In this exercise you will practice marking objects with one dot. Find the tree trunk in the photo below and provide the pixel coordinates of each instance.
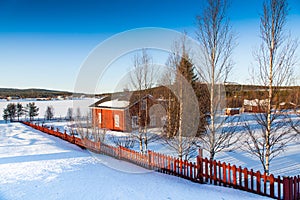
(180, 150)
(212, 109)
(141, 143)
(146, 127)
(169, 115)
(270, 98)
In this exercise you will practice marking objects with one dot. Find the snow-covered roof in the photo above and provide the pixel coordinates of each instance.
(285, 103)
(115, 103)
(255, 102)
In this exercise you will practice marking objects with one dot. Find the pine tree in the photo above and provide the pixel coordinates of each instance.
(20, 110)
(187, 70)
(32, 110)
(11, 111)
(5, 114)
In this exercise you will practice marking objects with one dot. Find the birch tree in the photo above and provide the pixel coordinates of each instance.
(142, 78)
(183, 110)
(217, 41)
(275, 60)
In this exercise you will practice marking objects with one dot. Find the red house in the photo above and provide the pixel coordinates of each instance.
(255, 105)
(120, 113)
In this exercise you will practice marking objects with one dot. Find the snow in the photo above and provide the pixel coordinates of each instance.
(34, 165)
(60, 106)
(114, 104)
(32, 162)
(255, 102)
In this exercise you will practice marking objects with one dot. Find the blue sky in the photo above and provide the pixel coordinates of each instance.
(43, 43)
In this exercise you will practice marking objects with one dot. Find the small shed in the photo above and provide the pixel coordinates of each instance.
(232, 111)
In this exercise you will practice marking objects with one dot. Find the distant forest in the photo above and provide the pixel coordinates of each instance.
(31, 93)
(235, 93)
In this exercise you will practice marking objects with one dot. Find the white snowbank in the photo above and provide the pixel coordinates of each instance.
(34, 165)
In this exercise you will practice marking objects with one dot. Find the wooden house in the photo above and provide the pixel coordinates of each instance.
(123, 112)
(255, 105)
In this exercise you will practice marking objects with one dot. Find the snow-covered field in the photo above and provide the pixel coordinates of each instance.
(60, 106)
(34, 165)
(287, 164)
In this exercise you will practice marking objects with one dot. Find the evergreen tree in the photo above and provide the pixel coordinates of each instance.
(5, 114)
(20, 110)
(11, 111)
(31, 110)
(187, 70)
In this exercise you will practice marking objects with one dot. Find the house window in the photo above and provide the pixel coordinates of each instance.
(152, 120)
(144, 104)
(134, 122)
(117, 121)
(99, 118)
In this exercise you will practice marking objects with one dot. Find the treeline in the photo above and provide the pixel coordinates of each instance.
(32, 93)
(235, 94)
(14, 112)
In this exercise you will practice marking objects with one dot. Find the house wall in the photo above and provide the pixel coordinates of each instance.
(134, 111)
(125, 116)
(112, 119)
(253, 109)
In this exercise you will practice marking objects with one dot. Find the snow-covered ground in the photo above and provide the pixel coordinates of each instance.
(60, 106)
(287, 164)
(34, 165)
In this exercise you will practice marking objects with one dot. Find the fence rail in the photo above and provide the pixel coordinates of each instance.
(203, 171)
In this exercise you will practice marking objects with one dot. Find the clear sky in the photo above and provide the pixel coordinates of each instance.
(43, 43)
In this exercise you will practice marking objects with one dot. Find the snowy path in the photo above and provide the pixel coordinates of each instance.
(34, 165)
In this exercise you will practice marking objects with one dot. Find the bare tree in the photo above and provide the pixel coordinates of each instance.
(125, 141)
(99, 135)
(217, 42)
(182, 109)
(275, 59)
(49, 114)
(69, 114)
(295, 121)
(142, 79)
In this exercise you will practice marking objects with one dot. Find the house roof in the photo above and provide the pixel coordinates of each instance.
(118, 101)
(255, 102)
(115, 103)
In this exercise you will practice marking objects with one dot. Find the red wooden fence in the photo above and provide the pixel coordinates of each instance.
(203, 171)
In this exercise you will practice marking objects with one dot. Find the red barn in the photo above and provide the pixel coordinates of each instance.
(118, 113)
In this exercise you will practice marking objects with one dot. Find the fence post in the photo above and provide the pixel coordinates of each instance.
(65, 135)
(119, 152)
(199, 165)
(265, 183)
(295, 187)
(286, 189)
(149, 159)
(258, 182)
(224, 174)
(272, 186)
(215, 172)
(234, 176)
(246, 179)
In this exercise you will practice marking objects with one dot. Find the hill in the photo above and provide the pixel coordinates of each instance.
(32, 93)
